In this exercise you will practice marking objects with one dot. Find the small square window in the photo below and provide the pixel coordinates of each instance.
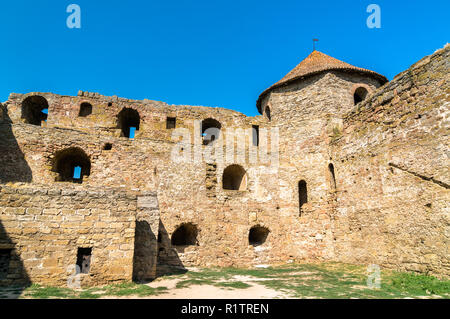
(171, 123)
(84, 260)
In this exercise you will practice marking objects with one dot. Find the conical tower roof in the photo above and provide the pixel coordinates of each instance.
(315, 63)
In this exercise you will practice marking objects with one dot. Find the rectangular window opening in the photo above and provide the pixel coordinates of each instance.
(171, 123)
(77, 172)
(255, 130)
(132, 132)
(84, 260)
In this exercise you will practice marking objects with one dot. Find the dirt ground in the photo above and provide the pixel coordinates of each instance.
(256, 291)
(326, 280)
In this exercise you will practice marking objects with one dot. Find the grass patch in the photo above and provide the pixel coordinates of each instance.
(119, 290)
(233, 284)
(37, 291)
(132, 289)
(326, 280)
(191, 282)
(420, 284)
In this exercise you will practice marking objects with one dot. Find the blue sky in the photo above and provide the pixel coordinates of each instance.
(211, 53)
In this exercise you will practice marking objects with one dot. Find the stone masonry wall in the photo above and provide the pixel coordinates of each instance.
(391, 167)
(187, 192)
(392, 172)
(45, 226)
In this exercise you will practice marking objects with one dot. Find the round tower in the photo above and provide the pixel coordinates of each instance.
(319, 85)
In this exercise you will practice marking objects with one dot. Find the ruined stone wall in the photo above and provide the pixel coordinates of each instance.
(392, 172)
(189, 192)
(64, 112)
(362, 220)
(44, 226)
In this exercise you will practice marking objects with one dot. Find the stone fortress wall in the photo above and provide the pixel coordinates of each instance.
(364, 184)
(392, 162)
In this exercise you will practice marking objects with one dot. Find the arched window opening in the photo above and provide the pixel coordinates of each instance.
(85, 109)
(332, 176)
(267, 112)
(35, 110)
(258, 235)
(234, 178)
(360, 95)
(128, 121)
(302, 194)
(210, 130)
(185, 235)
(72, 165)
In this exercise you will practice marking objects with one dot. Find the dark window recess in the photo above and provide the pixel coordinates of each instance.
(255, 134)
(234, 178)
(185, 235)
(268, 115)
(70, 161)
(332, 176)
(302, 194)
(171, 123)
(5, 257)
(85, 109)
(128, 121)
(107, 147)
(84, 260)
(210, 130)
(258, 235)
(360, 95)
(35, 110)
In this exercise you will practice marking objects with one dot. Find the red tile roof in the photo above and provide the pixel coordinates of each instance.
(318, 62)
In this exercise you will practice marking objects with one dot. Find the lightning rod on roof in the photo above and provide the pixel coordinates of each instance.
(314, 44)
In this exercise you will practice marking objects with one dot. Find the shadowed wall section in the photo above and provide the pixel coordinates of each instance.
(48, 226)
(13, 167)
(392, 169)
(12, 270)
(145, 244)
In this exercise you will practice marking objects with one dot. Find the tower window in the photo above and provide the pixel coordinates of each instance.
(360, 95)
(255, 135)
(171, 123)
(267, 112)
(107, 147)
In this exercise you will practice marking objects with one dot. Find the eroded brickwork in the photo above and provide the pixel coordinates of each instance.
(374, 179)
(393, 173)
(45, 226)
